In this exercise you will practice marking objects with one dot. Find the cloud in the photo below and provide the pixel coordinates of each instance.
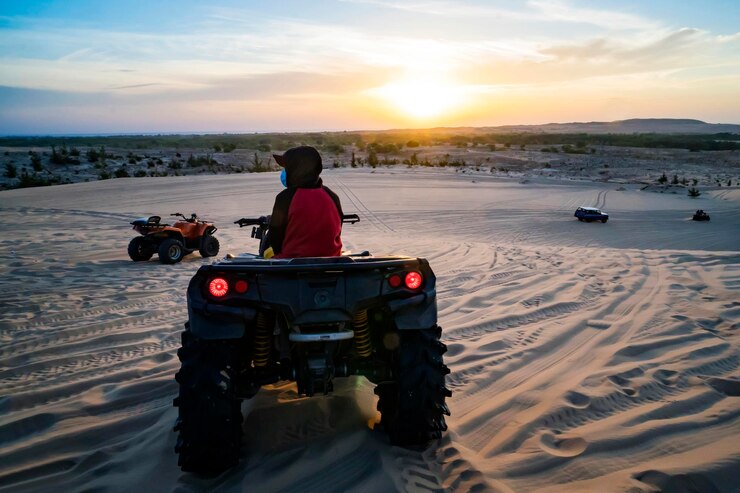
(136, 86)
(559, 11)
(680, 46)
(551, 11)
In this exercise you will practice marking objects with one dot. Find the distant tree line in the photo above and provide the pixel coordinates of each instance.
(382, 142)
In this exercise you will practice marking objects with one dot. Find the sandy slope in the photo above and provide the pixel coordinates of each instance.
(592, 357)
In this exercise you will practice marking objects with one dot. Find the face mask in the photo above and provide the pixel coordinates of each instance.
(284, 178)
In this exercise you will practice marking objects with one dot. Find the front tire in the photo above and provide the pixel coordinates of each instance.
(413, 406)
(210, 418)
(604, 220)
(209, 246)
(171, 251)
(139, 249)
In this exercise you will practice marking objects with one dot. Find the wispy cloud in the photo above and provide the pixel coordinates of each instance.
(534, 10)
(560, 11)
(136, 86)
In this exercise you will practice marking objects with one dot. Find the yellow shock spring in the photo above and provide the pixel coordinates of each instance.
(262, 340)
(363, 345)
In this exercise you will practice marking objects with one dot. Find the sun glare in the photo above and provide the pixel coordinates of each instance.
(421, 98)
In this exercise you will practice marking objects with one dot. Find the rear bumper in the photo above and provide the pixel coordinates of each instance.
(215, 321)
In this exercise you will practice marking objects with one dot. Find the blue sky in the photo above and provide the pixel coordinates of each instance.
(186, 66)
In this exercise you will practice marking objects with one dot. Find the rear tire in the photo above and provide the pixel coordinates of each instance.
(413, 406)
(210, 418)
(209, 246)
(171, 251)
(140, 249)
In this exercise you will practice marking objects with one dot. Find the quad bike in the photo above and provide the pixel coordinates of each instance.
(700, 215)
(172, 243)
(256, 321)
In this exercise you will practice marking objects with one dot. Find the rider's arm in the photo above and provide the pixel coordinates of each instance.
(335, 199)
(279, 218)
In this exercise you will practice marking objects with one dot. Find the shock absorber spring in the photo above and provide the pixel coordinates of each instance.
(363, 345)
(262, 339)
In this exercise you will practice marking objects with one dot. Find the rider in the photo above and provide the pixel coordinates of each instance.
(307, 217)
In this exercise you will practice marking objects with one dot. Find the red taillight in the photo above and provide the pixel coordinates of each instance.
(218, 287)
(394, 281)
(241, 286)
(413, 280)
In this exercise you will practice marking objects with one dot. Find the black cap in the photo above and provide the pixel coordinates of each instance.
(302, 165)
(299, 156)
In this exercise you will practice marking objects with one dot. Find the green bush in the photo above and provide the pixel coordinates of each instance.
(36, 161)
(10, 170)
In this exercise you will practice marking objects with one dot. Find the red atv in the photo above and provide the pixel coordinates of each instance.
(172, 242)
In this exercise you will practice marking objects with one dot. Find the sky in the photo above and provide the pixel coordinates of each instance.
(99, 67)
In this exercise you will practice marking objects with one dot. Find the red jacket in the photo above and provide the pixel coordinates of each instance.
(306, 222)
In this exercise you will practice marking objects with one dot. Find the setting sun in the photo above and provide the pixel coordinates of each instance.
(421, 97)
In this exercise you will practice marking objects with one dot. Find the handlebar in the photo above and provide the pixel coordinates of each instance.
(264, 221)
(350, 219)
(192, 219)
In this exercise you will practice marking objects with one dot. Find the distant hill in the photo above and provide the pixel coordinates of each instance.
(633, 125)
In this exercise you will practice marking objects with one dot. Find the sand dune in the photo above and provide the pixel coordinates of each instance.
(584, 357)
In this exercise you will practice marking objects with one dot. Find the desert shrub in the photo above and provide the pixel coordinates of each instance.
(140, 173)
(216, 148)
(258, 164)
(104, 175)
(569, 149)
(334, 148)
(92, 155)
(412, 143)
(264, 147)
(10, 170)
(121, 173)
(663, 178)
(36, 161)
(74, 152)
(674, 181)
(58, 157)
(195, 161)
(693, 192)
(372, 158)
(34, 180)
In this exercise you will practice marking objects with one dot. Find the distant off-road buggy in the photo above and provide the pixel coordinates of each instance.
(256, 321)
(172, 243)
(700, 215)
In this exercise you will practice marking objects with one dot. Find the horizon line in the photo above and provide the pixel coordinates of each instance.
(264, 132)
